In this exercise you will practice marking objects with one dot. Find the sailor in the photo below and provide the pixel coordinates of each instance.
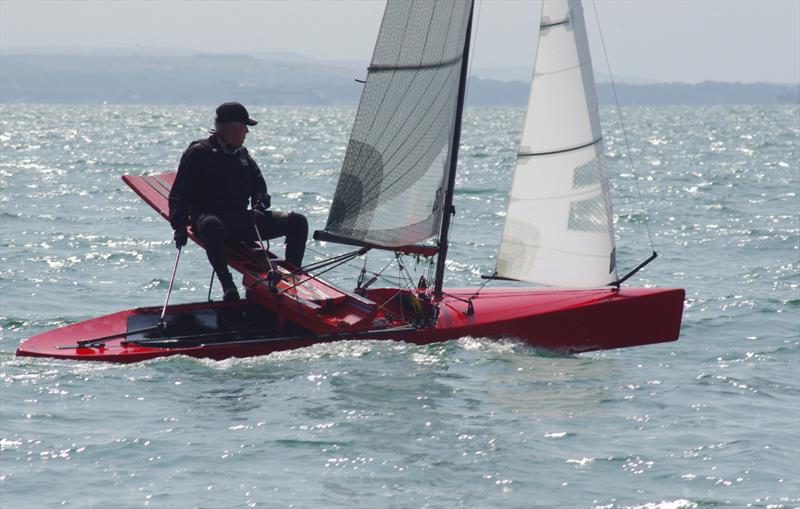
(216, 180)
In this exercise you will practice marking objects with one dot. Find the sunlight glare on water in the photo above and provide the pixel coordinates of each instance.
(708, 421)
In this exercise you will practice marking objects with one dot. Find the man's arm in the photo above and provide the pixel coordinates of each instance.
(259, 197)
(181, 193)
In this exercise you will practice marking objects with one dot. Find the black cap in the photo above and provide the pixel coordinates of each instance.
(233, 112)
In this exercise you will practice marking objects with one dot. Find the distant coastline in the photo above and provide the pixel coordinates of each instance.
(284, 80)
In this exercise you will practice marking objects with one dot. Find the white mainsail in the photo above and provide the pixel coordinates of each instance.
(559, 228)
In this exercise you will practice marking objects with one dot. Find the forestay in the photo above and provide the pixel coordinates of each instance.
(392, 184)
(559, 227)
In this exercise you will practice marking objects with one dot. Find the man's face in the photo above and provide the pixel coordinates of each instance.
(234, 133)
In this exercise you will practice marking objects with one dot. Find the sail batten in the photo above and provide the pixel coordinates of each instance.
(559, 226)
(421, 66)
(549, 24)
(560, 150)
(557, 71)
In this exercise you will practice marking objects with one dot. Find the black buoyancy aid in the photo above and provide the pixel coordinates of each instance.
(221, 182)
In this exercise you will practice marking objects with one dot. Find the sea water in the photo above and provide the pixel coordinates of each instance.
(710, 420)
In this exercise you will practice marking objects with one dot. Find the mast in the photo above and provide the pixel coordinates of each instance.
(448, 209)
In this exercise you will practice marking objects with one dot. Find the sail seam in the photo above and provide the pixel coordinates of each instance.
(594, 190)
(415, 67)
(552, 24)
(557, 71)
(560, 151)
(565, 251)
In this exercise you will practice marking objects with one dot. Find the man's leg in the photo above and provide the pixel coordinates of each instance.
(291, 225)
(211, 230)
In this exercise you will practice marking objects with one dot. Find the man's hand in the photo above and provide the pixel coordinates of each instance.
(262, 203)
(180, 237)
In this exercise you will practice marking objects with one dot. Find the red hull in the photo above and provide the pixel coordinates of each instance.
(556, 319)
(301, 310)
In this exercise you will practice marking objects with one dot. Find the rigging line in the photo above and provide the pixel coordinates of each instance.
(481, 287)
(624, 131)
(362, 276)
(472, 49)
(379, 275)
(456, 297)
(314, 276)
(322, 263)
(469, 299)
(400, 287)
(380, 272)
(404, 281)
(410, 283)
(348, 264)
(383, 305)
(211, 284)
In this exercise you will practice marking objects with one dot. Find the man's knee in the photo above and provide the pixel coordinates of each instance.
(298, 224)
(210, 228)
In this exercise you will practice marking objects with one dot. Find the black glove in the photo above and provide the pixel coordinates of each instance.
(262, 203)
(180, 237)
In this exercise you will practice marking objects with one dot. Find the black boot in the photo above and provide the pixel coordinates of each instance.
(229, 292)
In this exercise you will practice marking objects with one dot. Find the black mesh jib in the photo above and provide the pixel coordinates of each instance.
(392, 181)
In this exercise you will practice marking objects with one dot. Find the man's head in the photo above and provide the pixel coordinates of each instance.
(231, 123)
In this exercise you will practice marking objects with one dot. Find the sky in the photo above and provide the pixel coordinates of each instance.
(646, 40)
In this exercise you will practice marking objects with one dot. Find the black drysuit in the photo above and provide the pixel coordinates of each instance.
(211, 192)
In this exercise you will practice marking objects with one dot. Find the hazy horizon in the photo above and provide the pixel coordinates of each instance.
(499, 73)
(649, 41)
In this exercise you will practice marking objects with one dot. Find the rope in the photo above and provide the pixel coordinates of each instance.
(379, 274)
(485, 282)
(376, 276)
(624, 131)
(211, 283)
(409, 282)
(316, 276)
(323, 263)
(472, 49)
